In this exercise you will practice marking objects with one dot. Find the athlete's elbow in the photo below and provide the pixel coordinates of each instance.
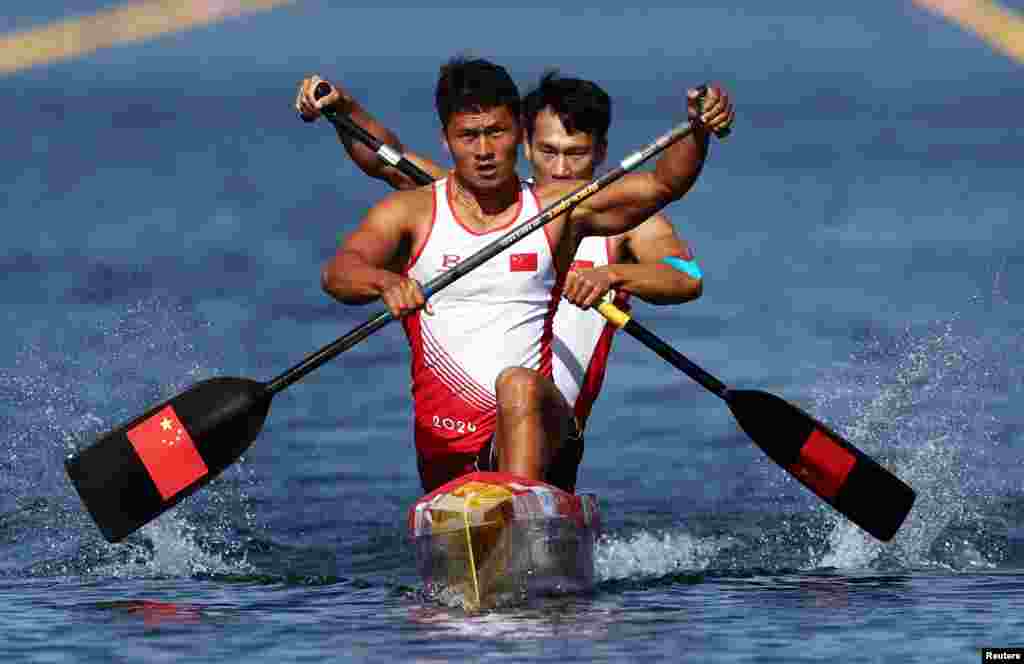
(693, 289)
(689, 291)
(329, 283)
(682, 187)
(696, 290)
(335, 285)
(664, 192)
(670, 188)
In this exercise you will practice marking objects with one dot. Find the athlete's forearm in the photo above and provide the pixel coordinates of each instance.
(680, 165)
(364, 157)
(655, 283)
(369, 161)
(637, 196)
(350, 279)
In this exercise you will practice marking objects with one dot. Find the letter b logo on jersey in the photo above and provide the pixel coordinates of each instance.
(449, 260)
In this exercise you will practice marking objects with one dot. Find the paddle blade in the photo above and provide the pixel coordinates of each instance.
(134, 473)
(827, 464)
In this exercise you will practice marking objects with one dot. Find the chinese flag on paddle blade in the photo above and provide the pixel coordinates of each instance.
(167, 452)
(523, 262)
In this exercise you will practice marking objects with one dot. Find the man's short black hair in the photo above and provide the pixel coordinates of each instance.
(474, 84)
(580, 105)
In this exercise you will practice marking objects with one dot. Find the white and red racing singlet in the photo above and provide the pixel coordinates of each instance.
(583, 338)
(496, 316)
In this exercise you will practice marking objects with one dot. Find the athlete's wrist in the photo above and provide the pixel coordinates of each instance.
(615, 277)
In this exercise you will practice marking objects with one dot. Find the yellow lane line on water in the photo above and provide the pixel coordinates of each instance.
(123, 24)
(1000, 27)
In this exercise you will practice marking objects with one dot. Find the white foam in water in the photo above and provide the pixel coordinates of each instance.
(174, 553)
(928, 423)
(642, 555)
(646, 554)
(587, 622)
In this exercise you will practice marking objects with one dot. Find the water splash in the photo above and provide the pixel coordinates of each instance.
(170, 547)
(59, 397)
(550, 617)
(649, 555)
(931, 421)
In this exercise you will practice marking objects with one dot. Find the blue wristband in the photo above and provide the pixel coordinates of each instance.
(689, 267)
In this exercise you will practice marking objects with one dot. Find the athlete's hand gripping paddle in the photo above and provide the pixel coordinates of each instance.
(134, 473)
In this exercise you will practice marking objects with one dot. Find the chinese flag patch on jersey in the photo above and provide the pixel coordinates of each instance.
(167, 452)
(523, 262)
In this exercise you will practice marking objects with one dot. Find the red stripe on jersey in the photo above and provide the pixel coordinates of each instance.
(549, 325)
(459, 380)
(436, 399)
(594, 377)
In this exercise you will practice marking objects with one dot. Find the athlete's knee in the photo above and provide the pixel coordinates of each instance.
(518, 388)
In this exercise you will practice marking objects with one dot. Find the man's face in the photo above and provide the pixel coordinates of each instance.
(484, 145)
(555, 154)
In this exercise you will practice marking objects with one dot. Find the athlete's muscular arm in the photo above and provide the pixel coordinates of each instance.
(365, 158)
(640, 268)
(368, 263)
(637, 196)
(647, 274)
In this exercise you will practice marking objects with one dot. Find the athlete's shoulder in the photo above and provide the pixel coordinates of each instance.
(408, 201)
(406, 211)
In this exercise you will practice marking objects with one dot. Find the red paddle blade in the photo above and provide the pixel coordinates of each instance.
(827, 464)
(134, 473)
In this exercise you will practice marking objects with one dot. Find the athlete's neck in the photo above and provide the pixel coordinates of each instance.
(486, 204)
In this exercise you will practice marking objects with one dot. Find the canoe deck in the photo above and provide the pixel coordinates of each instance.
(496, 538)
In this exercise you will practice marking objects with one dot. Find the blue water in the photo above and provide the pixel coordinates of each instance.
(166, 216)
